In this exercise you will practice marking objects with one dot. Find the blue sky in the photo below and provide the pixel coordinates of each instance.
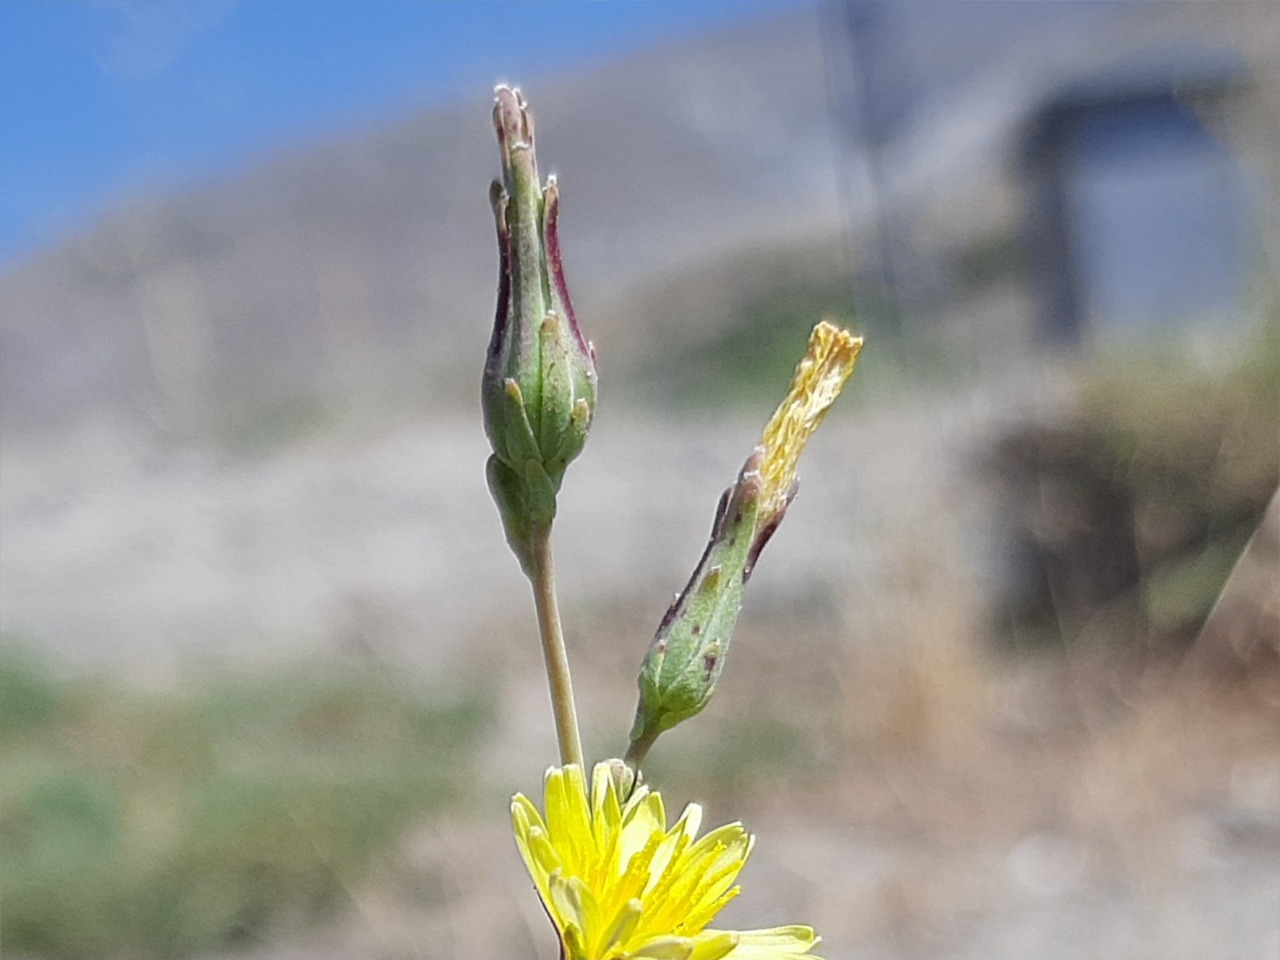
(103, 100)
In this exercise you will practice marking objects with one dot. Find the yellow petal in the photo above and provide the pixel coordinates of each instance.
(620, 928)
(605, 809)
(778, 943)
(713, 946)
(568, 818)
(664, 948)
(639, 823)
(573, 903)
(540, 857)
(680, 837)
(618, 885)
(728, 842)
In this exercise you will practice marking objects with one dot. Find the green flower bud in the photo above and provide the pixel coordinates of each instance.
(682, 668)
(680, 672)
(538, 391)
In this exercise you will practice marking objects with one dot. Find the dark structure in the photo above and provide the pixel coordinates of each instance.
(1134, 216)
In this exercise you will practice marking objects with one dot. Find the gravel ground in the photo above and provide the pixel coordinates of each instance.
(122, 556)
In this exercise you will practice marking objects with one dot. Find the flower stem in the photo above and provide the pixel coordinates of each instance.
(639, 749)
(553, 649)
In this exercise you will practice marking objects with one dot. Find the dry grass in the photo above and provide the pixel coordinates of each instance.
(923, 799)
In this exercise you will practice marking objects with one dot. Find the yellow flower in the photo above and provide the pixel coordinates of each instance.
(818, 380)
(619, 885)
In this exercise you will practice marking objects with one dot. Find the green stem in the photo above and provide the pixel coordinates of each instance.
(553, 649)
(638, 750)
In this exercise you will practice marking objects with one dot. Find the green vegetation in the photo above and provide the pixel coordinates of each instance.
(254, 429)
(758, 352)
(159, 825)
(749, 359)
(730, 756)
(1131, 514)
(988, 261)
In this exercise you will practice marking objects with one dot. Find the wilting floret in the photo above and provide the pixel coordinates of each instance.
(818, 380)
(683, 665)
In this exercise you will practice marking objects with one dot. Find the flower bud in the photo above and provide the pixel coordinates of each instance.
(538, 391)
(625, 780)
(682, 668)
(680, 672)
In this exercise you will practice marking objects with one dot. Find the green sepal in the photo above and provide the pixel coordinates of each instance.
(513, 438)
(568, 396)
(526, 502)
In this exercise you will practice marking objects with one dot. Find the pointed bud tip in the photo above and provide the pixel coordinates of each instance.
(511, 118)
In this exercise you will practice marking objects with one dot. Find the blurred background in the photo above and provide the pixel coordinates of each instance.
(1006, 681)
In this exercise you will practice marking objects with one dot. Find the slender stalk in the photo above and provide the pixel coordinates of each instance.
(638, 750)
(553, 649)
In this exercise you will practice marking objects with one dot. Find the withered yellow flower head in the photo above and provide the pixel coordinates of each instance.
(619, 885)
(818, 380)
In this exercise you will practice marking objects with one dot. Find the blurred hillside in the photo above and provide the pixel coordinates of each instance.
(366, 268)
(269, 675)
(702, 181)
